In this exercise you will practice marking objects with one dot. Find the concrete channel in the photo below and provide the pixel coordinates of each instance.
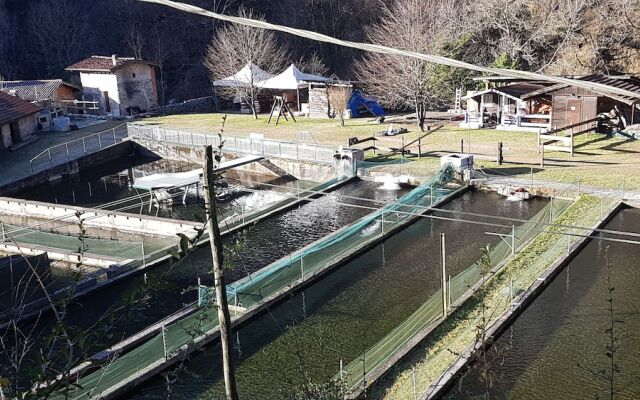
(518, 307)
(107, 222)
(154, 368)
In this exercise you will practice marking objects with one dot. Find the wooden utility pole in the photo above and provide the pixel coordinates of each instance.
(224, 319)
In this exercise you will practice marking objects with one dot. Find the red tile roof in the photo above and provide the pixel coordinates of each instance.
(13, 108)
(104, 64)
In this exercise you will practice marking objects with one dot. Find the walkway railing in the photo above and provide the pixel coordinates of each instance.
(73, 149)
(236, 144)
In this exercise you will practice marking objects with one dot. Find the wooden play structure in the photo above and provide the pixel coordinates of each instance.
(391, 145)
(562, 139)
(281, 106)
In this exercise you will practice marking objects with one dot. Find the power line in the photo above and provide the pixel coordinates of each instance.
(443, 210)
(375, 48)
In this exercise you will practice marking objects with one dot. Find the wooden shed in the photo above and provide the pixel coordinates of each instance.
(571, 104)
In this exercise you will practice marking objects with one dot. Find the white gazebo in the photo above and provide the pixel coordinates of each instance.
(292, 79)
(248, 75)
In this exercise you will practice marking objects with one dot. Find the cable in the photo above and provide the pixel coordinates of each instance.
(375, 48)
(510, 219)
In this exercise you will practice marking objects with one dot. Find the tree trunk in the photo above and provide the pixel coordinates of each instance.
(421, 116)
(219, 281)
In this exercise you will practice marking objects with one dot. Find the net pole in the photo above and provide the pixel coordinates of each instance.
(413, 381)
(449, 290)
(341, 371)
(444, 275)
(144, 262)
(164, 341)
(513, 240)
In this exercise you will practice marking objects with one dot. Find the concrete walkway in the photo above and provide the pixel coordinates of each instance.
(14, 165)
(497, 180)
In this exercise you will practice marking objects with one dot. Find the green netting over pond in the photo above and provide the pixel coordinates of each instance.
(430, 311)
(113, 249)
(277, 276)
(235, 218)
(255, 288)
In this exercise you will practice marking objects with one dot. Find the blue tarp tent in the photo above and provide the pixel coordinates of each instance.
(360, 105)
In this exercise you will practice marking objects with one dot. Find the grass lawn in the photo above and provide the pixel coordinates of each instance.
(598, 160)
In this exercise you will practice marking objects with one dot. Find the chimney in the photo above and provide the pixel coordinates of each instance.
(114, 59)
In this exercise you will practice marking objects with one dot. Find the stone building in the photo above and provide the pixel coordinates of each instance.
(17, 121)
(120, 85)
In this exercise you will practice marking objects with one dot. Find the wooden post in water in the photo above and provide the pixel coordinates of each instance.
(444, 276)
(231, 392)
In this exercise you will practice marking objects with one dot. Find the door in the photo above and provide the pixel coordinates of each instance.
(107, 102)
(15, 133)
(574, 112)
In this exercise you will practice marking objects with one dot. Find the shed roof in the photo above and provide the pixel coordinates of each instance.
(12, 108)
(36, 90)
(626, 82)
(105, 64)
(515, 91)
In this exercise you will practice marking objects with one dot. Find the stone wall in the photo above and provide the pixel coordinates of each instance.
(200, 105)
(136, 87)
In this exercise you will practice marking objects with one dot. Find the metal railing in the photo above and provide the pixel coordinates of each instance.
(236, 144)
(73, 149)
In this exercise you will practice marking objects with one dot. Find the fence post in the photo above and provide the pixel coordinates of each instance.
(341, 371)
(66, 145)
(4, 234)
(513, 240)
(500, 158)
(413, 380)
(99, 141)
(144, 262)
(114, 135)
(164, 341)
(444, 275)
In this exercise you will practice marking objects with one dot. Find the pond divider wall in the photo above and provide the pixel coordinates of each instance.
(524, 300)
(116, 273)
(177, 340)
(363, 371)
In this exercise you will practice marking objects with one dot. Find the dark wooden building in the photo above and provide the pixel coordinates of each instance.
(571, 105)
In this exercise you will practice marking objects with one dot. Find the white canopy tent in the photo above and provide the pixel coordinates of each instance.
(249, 74)
(291, 79)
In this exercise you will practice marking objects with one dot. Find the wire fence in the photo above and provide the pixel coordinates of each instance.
(258, 287)
(73, 149)
(235, 144)
(538, 246)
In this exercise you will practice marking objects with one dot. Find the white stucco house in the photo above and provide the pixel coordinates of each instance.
(120, 85)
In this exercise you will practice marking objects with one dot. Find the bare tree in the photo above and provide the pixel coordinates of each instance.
(134, 36)
(339, 96)
(59, 29)
(236, 46)
(403, 82)
(313, 65)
